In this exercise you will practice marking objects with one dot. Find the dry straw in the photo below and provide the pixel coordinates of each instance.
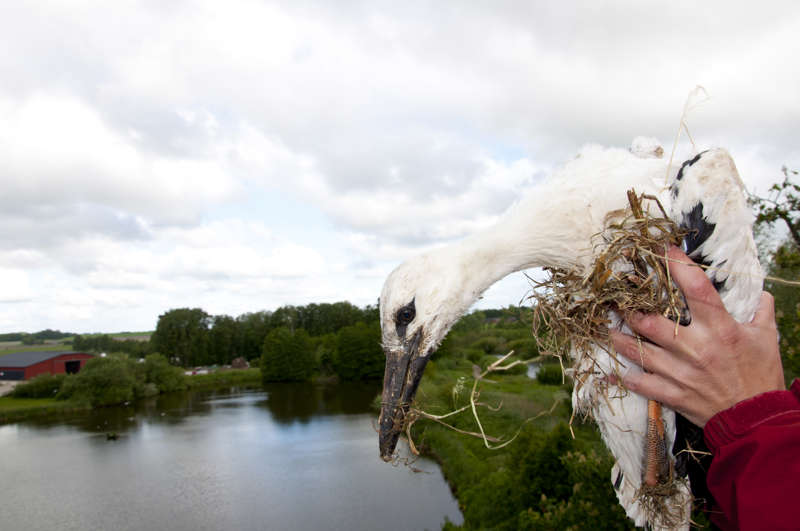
(572, 314)
(571, 311)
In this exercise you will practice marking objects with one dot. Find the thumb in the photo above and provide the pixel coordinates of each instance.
(765, 313)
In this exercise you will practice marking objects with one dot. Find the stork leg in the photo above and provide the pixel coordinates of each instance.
(656, 466)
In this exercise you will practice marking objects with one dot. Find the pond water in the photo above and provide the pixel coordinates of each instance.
(289, 456)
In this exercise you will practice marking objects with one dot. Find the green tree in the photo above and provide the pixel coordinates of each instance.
(358, 352)
(287, 356)
(223, 340)
(182, 336)
(253, 328)
(324, 353)
(782, 205)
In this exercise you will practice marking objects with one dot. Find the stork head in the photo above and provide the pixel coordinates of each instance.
(420, 301)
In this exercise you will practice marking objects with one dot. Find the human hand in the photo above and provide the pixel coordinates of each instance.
(710, 365)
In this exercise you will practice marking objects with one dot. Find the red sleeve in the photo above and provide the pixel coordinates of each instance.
(755, 472)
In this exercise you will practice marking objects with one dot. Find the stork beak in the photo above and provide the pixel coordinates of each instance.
(403, 373)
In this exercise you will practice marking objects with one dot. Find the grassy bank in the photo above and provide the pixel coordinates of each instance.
(16, 409)
(545, 479)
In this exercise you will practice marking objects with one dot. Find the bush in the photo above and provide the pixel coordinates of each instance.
(473, 354)
(592, 500)
(358, 353)
(521, 368)
(42, 386)
(524, 348)
(164, 376)
(105, 381)
(287, 356)
(549, 374)
(488, 344)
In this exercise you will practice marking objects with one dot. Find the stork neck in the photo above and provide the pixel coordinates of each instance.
(522, 240)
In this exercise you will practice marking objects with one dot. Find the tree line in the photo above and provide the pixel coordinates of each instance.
(34, 338)
(290, 343)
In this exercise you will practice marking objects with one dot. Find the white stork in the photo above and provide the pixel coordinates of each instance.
(553, 226)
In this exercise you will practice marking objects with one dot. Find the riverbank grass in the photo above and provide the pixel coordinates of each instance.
(14, 409)
(544, 479)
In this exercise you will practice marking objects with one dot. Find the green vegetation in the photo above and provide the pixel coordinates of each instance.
(34, 338)
(191, 337)
(107, 343)
(358, 354)
(14, 409)
(106, 381)
(550, 374)
(109, 381)
(117, 379)
(16, 346)
(544, 479)
(782, 207)
(42, 386)
(142, 364)
(227, 378)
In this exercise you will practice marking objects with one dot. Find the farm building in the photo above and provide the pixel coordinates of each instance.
(26, 365)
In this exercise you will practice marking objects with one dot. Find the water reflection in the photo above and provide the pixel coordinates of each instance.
(300, 402)
(289, 456)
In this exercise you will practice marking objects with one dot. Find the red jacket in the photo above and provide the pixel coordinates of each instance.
(755, 472)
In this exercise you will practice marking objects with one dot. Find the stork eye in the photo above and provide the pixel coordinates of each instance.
(405, 315)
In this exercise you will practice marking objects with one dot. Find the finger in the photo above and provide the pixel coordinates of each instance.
(704, 302)
(653, 387)
(646, 355)
(765, 313)
(655, 328)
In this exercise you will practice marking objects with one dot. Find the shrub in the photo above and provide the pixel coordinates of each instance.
(164, 376)
(42, 386)
(488, 344)
(105, 381)
(521, 368)
(524, 348)
(473, 354)
(592, 500)
(549, 374)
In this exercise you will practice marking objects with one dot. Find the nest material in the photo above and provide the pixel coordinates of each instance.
(573, 310)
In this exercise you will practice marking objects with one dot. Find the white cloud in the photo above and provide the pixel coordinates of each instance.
(247, 154)
(14, 285)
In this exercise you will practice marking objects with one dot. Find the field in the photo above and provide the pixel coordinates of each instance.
(7, 347)
(65, 343)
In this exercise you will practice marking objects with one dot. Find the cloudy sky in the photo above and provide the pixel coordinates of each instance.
(242, 155)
